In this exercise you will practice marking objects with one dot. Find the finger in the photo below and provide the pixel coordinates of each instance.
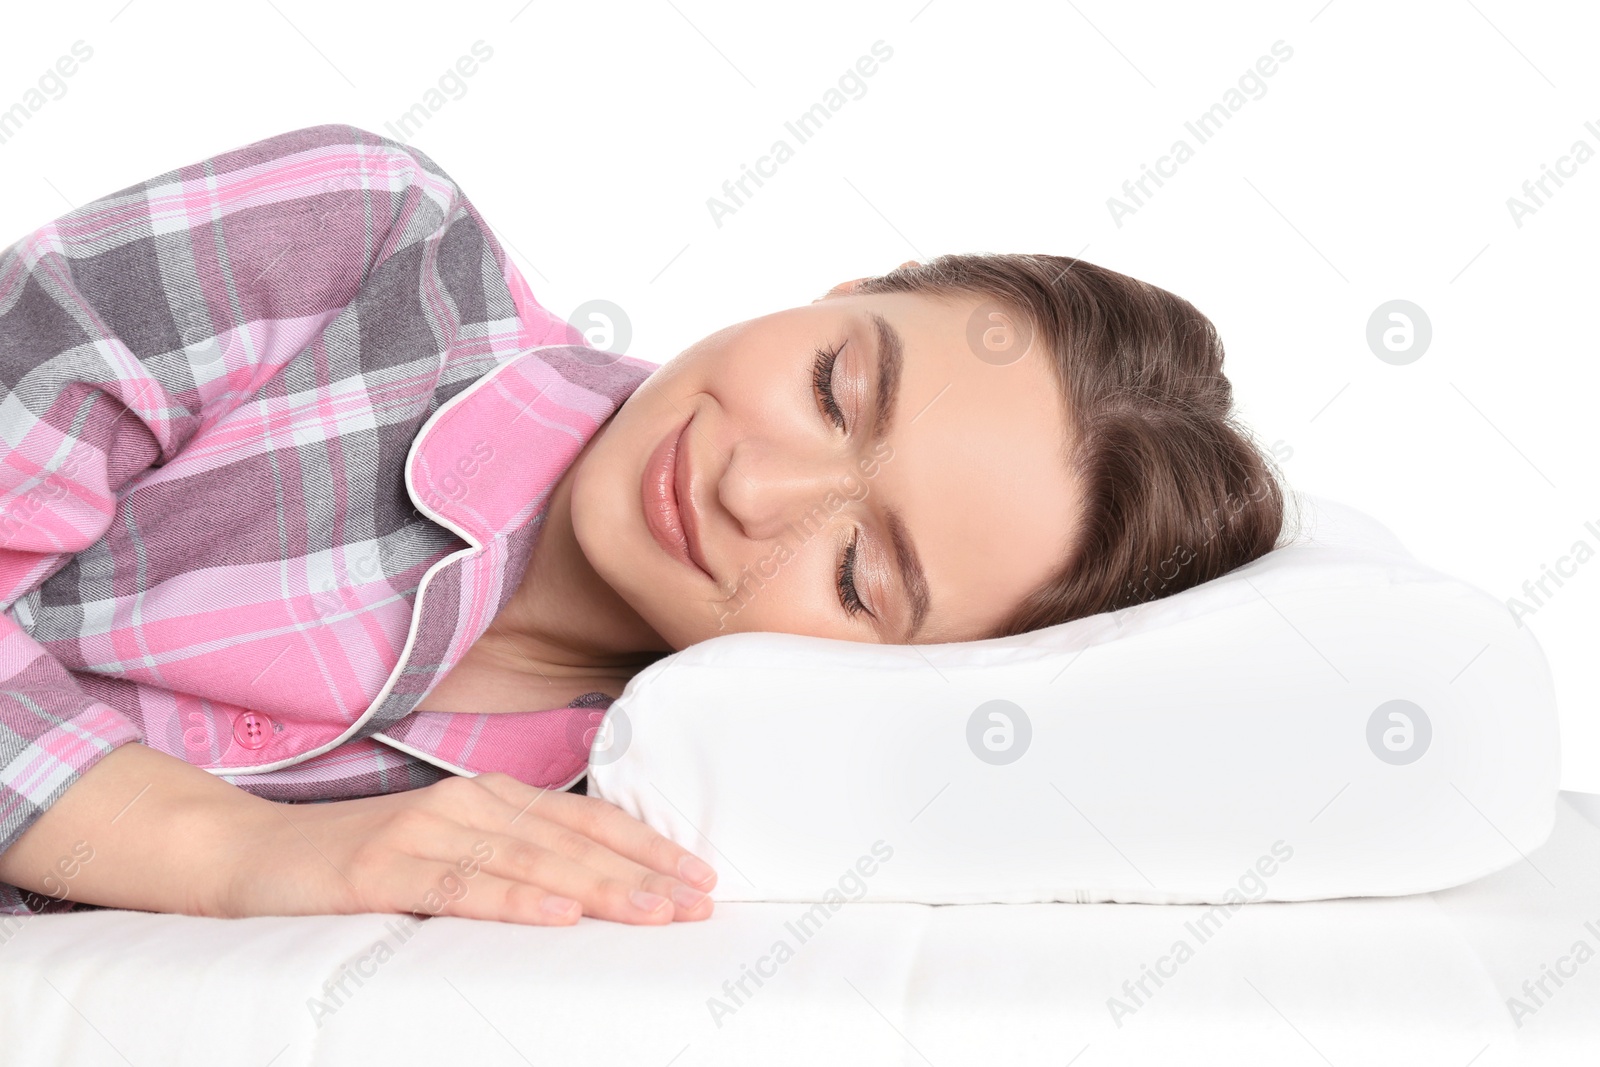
(688, 902)
(469, 801)
(602, 896)
(608, 824)
(468, 848)
(432, 888)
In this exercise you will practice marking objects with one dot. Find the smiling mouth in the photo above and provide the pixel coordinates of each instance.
(664, 487)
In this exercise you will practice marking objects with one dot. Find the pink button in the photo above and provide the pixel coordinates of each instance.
(252, 729)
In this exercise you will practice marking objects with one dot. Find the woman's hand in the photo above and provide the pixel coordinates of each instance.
(488, 847)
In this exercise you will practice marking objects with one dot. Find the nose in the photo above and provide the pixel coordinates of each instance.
(768, 488)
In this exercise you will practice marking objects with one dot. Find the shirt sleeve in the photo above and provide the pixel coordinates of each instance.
(129, 325)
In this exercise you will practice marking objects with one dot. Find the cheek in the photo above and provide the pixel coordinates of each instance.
(599, 500)
(762, 385)
(785, 588)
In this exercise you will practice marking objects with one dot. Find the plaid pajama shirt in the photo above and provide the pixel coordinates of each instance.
(279, 428)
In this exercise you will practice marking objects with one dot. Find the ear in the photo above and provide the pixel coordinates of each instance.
(845, 288)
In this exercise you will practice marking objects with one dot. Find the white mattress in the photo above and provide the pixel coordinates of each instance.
(1405, 980)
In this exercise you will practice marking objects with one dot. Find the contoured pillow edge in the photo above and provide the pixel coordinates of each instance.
(1150, 776)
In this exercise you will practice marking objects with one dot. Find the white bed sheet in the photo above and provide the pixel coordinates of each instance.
(1408, 981)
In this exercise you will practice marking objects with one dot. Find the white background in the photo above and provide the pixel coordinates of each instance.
(1376, 166)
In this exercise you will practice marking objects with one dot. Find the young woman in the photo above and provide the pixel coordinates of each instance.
(324, 547)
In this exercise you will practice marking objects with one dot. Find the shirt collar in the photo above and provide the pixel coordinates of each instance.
(484, 462)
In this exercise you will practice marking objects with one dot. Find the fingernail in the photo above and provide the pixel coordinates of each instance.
(695, 869)
(557, 905)
(686, 898)
(647, 901)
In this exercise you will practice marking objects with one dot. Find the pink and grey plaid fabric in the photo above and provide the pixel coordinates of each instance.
(279, 429)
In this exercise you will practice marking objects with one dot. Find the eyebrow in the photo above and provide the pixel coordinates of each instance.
(891, 359)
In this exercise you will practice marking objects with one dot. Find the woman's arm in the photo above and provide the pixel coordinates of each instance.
(145, 830)
(140, 829)
(486, 847)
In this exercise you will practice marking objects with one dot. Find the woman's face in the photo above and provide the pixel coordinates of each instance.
(797, 517)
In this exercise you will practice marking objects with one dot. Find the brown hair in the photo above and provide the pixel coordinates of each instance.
(1175, 491)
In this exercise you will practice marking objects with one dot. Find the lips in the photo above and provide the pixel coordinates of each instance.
(664, 487)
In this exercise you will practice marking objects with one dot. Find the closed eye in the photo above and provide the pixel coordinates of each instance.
(822, 383)
(848, 596)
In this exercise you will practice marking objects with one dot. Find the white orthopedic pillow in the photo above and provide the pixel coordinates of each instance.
(1235, 741)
